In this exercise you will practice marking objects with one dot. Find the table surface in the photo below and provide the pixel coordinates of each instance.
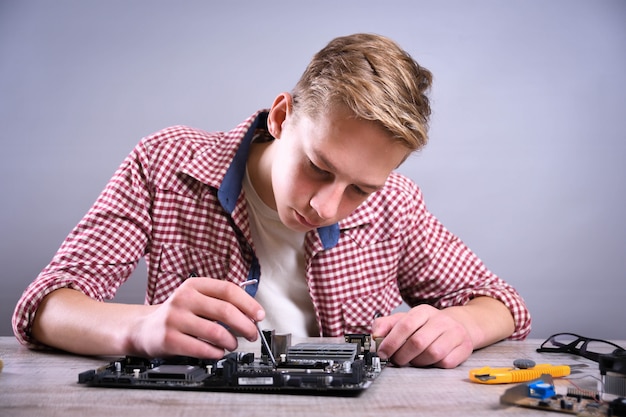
(35, 383)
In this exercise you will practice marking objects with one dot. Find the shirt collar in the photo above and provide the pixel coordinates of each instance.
(229, 189)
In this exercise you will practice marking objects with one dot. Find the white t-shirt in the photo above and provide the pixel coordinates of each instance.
(283, 291)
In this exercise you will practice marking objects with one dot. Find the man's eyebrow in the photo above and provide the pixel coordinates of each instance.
(331, 167)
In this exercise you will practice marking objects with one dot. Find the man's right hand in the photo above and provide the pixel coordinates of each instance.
(200, 319)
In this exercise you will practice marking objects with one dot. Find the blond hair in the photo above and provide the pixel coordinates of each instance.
(375, 79)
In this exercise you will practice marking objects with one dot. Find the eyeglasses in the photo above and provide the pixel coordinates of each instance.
(578, 345)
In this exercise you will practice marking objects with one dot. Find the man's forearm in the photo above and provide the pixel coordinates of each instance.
(69, 320)
(486, 319)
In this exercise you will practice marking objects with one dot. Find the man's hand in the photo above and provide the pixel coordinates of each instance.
(200, 319)
(423, 336)
(426, 336)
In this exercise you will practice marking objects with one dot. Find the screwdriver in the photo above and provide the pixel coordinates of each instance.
(263, 339)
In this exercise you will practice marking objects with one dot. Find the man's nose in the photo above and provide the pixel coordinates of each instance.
(327, 200)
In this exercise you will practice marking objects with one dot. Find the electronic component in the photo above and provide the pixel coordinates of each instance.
(613, 373)
(617, 407)
(307, 368)
(540, 389)
(541, 394)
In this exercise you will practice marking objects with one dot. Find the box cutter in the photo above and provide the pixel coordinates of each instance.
(524, 370)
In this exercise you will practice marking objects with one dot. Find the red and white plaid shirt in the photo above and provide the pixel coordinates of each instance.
(177, 201)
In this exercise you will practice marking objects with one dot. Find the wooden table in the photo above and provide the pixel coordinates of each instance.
(37, 383)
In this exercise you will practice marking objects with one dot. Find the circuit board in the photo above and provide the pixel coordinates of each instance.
(541, 395)
(342, 369)
(567, 404)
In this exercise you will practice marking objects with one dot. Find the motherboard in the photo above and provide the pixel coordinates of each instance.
(343, 368)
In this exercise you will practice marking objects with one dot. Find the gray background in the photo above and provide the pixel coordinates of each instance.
(526, 162)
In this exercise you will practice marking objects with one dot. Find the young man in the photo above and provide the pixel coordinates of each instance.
(301, 198)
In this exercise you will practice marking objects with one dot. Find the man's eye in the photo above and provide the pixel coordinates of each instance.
(360, 191)
(317, 169)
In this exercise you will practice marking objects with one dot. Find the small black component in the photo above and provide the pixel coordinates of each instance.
(580, 394)
(566, 405)
(617, 407)
(85, 377)
(247, 358)
(614, 362)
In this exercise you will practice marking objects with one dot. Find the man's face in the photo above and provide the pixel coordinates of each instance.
(323, 168)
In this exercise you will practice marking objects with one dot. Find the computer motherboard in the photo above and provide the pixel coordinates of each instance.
(339, 369)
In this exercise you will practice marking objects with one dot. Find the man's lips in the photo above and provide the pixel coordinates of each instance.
(305, 222)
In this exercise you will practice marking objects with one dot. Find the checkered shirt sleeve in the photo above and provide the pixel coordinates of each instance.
(404, 253)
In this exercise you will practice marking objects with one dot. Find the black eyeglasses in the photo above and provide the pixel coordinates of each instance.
(578, 345)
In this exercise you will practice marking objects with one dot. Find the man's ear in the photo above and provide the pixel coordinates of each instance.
(279, 112)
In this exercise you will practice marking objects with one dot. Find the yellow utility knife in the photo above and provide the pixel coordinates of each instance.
(528, 372)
